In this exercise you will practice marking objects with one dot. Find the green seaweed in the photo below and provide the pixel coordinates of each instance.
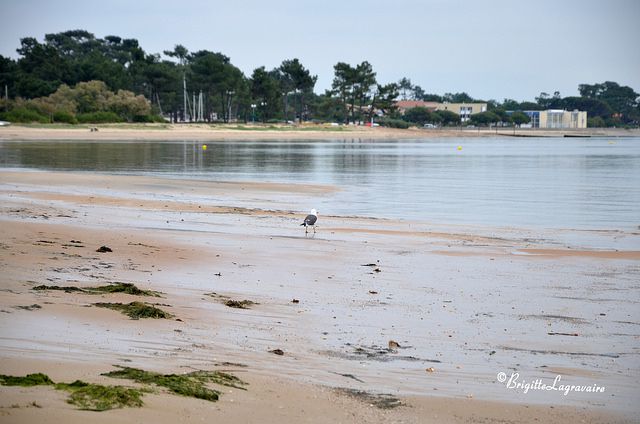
(190, 385)
(93, 397)
(67, 289)
(136, 310)
(96, 397)
(239, 304)
(33, 307)
(128, 288)
(381, 401)
(37, 379)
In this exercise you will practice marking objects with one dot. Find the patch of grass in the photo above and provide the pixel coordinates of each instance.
(281, 128)
(37, 379)
(191, 384)
(96, 397)
(243, 128)
(47, 125)
(136, 310)
(137, 126)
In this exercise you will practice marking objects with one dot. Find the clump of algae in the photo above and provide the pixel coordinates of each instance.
(136, 310)
(382, 401)
(37, 379)
(128, 288)
(96, 397)
(92, 397)
(191, 384)
(239, 304)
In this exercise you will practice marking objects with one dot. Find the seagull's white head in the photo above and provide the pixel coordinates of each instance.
(314, 212)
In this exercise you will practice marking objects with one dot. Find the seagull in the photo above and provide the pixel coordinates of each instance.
(310, 220)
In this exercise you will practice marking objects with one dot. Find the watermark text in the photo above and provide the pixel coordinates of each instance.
(515, 382)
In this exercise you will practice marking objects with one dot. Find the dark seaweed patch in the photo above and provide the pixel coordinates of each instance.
(127, 288)
(136, 310)
(382, 401)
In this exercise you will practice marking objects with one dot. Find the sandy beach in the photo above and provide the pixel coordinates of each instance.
(366, 321)
(206, 132)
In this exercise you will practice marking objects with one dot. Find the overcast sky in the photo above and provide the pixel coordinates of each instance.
(492, 49)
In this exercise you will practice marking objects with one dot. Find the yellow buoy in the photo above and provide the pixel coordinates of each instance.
(459, 147)
(204, 147)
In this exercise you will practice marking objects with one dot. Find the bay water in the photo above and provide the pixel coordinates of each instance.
(577, 183)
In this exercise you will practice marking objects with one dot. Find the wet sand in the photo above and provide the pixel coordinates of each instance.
(464, 303)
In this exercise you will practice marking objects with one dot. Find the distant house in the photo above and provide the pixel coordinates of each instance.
(404, 105)
(465, 110)
(556, 118)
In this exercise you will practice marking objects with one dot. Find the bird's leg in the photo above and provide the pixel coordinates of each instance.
(314, 229)
(306, 229)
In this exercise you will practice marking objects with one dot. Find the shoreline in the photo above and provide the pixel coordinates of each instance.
(434, 295)
(204, 132)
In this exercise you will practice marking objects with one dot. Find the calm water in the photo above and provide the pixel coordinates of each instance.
(591, 183)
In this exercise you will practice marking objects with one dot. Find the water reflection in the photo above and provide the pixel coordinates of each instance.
(579, 183)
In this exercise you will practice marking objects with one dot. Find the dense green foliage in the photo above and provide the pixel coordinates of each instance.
(23, 114)
(485, 118)
(86, 102)
(73, 76)
(418, 115)
(98, 117)
(519, 118)
(393, 123)
(359, 95)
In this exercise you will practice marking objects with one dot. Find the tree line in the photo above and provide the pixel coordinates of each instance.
(607, 104)
(73, 76)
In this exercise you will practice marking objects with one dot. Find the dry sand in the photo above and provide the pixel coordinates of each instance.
(205, 132)
(468, 303)
(202, 132)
